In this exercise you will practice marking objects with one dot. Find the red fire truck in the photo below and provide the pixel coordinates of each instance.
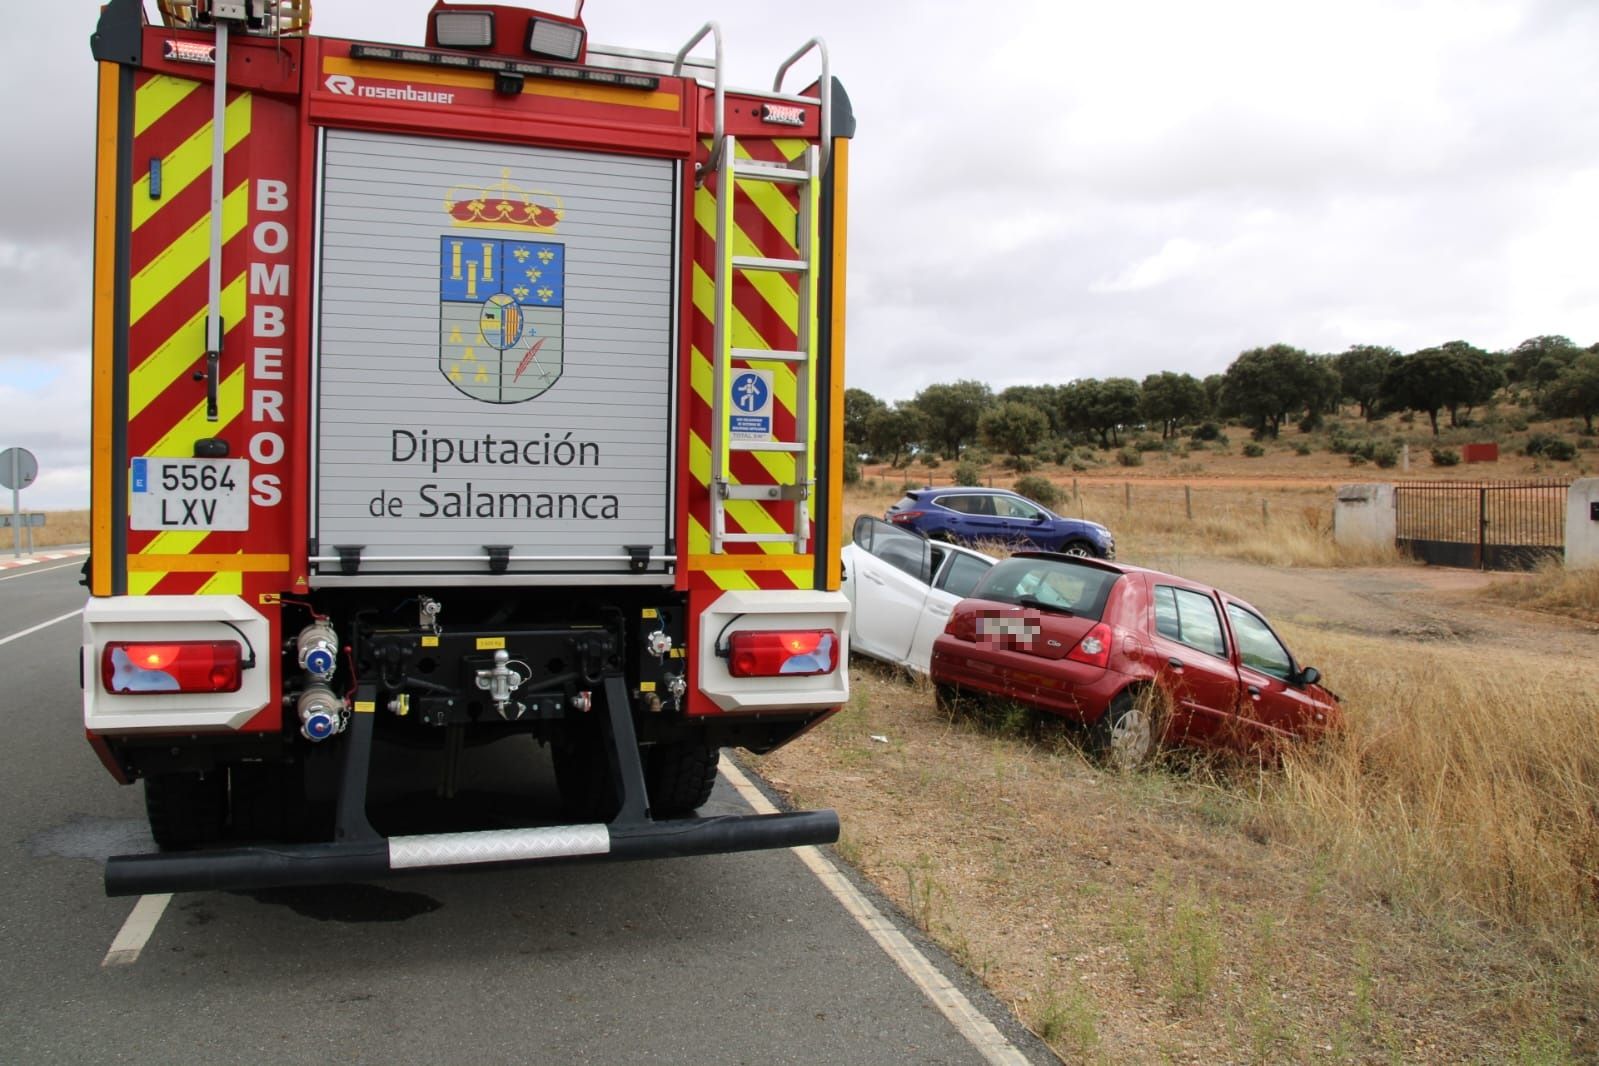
(483, 391)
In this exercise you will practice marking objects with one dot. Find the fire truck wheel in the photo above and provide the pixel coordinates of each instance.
(186, 810)
(583, 777)
(680, 776)
(268, 801)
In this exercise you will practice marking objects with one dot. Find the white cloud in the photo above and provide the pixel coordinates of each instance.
(1041, 190)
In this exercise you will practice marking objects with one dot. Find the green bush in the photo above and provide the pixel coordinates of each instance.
(968, 473)
(1385, 455)
(1037, 487)
(1356, 459)
(1302, 448)
(1149, 445)
(1129, 457)
(1550, 447)
(977, 455)
(1022, 464)
(1206, 431)
(930, 460)
(1445, 457)
(1253, 450)
(852, 466)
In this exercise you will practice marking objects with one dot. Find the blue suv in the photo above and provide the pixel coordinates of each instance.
(972, 515)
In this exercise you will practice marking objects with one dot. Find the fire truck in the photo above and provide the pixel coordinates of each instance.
(488, 391)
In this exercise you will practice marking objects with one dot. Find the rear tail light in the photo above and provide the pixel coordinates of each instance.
(905, 518)
(171, 666)
(1094, 648)
(789, 652)
(962, 626)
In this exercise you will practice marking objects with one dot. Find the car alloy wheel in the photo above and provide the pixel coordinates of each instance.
(1077, 548)
(1130, 738)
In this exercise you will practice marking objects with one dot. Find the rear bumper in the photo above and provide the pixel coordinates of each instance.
(1075, 690)
(272, 866)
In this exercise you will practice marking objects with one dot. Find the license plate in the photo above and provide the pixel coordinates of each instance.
(198, 494)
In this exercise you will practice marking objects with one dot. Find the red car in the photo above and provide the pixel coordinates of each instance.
(1086, 638)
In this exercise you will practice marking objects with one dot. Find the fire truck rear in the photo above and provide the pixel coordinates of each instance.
(483, 391)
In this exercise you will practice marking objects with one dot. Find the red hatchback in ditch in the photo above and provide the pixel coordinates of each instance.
(1094, 641)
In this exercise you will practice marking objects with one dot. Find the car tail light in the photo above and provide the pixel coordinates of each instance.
(905, 518)
(171, 666)
(790, 652)
(962, 626)
(1094, 648)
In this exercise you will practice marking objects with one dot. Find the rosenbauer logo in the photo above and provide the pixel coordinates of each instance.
(344, 85)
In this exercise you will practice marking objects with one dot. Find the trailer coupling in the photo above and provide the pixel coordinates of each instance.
(358, 853)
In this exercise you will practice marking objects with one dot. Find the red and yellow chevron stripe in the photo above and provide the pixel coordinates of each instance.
(765, 314)
(167, 300)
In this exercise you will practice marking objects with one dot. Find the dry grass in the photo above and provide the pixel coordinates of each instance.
(1462, 784)
(1420, 892)
(1552, 588)
(61, 527)
(1275, 525)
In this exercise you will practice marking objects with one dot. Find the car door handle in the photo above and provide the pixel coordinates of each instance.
(1175, 663)
(1254, 692)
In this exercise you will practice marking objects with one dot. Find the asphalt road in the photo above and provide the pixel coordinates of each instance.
(724, 959)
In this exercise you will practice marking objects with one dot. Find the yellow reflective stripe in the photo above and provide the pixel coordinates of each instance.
(791, 564)
(223, 585)
(177, 354)
(156, 97)
(185, 255)
(699, 459)
(701, 378)
(724, 579)
(142, 578)
(183, 563)
(189, 161)
(180, 439)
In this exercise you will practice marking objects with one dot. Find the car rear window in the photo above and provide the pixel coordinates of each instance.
(906, 503)
(1053, 584)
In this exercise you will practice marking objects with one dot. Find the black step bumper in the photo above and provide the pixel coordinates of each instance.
(272, 866)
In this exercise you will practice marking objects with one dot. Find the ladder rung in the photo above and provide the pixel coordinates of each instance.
(755, 262)
(766, 446)
(763, 492)
(757, 538)
(768, 355)
(773, 172)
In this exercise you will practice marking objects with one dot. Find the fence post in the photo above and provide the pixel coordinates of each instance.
(1127, 488)
(1265, 513)
(1188, 501)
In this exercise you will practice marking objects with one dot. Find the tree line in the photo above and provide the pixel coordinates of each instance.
(1263, 388)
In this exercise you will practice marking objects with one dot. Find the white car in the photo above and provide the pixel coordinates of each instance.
(902, 588)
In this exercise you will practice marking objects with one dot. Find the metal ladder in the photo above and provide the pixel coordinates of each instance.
(806, 176)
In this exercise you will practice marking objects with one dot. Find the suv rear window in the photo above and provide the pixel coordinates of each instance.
(906, 503)
(1053, 584)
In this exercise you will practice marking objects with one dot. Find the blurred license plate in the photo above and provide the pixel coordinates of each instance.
(194, 494)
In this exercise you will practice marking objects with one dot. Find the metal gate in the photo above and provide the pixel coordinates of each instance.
(1485, 525)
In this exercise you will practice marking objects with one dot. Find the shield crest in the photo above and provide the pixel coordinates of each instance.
(501, 316)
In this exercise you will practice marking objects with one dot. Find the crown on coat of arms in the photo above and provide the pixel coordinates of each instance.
(503, 205)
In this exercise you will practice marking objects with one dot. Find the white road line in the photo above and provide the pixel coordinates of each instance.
(41, 625)
(135, 932)
(967, 1019)
(44, 570)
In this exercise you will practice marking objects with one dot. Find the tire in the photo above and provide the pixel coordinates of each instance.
(583, 777)
(267, 802)
(680, 776)
(186, 811)
(1127, 735)
(1079, 548)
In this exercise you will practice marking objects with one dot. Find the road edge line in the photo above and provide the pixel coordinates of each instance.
(970, 1022)
(135, 932)
(42, 625)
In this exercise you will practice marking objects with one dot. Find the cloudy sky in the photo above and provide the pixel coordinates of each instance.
(1042, 190)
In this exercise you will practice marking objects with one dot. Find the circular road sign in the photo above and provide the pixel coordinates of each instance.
(21, 461)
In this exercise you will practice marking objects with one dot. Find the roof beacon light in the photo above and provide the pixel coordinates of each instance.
(558, 40)
(464, 29)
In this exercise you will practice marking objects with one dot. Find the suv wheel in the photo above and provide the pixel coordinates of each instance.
(1080, 548)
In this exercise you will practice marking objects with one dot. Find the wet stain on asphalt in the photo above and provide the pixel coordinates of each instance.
(351, 904)
(88, 837)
